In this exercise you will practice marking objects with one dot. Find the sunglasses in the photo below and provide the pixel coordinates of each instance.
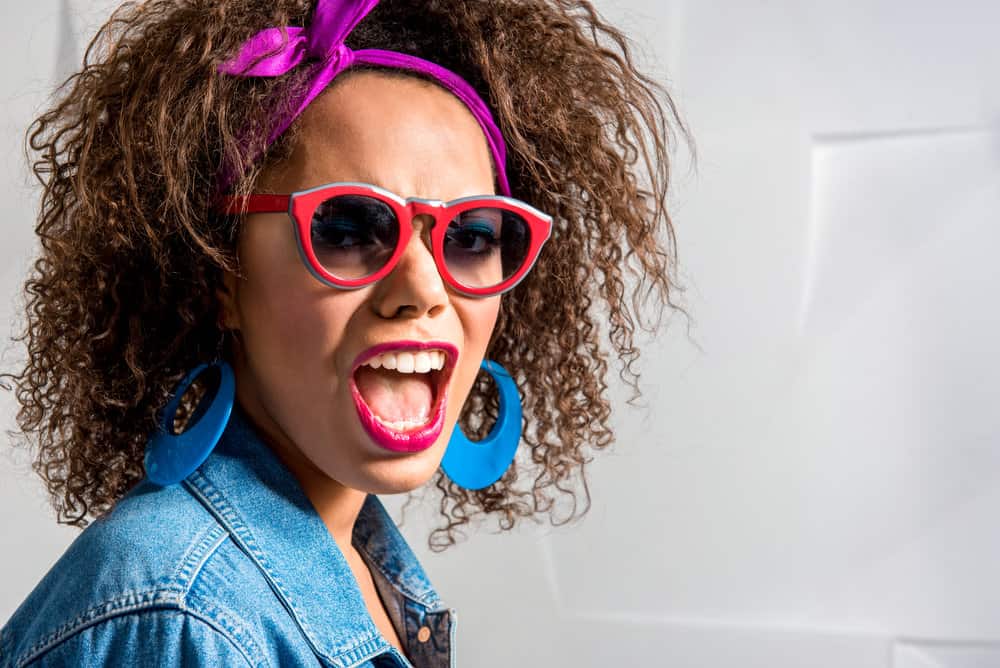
(352, 234)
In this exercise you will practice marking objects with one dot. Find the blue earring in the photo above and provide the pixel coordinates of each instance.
(475, 465)
(172, 457)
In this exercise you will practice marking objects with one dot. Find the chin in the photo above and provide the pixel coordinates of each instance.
(394, 474)
(395, 477)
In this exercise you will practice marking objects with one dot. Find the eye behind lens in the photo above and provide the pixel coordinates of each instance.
(353, 236)
(486, 246)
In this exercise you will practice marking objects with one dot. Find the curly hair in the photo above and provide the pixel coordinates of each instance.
(120, 303)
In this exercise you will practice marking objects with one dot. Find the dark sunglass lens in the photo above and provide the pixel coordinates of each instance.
(353, 236)
(485, 246)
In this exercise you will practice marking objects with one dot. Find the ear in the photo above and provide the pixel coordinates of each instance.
(226, 294)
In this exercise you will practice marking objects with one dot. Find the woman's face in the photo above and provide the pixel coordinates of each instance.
(300, 338)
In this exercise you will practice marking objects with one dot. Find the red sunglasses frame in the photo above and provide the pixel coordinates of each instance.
(301, 205)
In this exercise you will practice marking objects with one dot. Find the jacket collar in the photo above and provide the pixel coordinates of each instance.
(259, 501)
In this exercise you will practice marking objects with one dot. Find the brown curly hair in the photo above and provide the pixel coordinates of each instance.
(120, 303)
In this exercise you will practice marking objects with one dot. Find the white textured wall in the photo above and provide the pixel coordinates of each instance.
(40, 48)
(814, 482)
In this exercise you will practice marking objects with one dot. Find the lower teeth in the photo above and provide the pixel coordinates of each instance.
(403, 425)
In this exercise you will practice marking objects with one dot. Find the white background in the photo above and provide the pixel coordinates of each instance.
(813, 478)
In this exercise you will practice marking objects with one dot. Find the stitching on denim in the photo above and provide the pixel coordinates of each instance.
(130, 602)
(219, 628)
(428, 597)
(203, 490)
(209, 496)
(363, 652)
(453, 623)
(189, 566)
(226, 623)
(431, 600)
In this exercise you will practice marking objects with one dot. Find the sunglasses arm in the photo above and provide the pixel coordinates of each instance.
(235, 206)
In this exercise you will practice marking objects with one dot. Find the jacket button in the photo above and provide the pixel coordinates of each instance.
(423, 634)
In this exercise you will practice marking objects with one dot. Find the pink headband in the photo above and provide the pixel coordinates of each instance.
(323, 43)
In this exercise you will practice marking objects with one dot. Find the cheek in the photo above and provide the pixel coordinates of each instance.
(276, 304)
(283, 323)
(291, 323)
(478, 317)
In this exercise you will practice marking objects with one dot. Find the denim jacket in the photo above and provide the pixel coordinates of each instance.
(232, 567)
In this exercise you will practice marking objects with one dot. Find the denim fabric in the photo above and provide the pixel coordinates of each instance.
(233, 567)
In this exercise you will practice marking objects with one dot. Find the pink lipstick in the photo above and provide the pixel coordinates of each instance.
(420, 437)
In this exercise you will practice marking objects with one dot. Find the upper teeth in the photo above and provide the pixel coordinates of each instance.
(409, 362)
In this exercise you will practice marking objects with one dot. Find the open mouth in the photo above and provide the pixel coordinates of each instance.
(400, 394)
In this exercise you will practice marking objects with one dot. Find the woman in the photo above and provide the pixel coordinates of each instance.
(285, 248)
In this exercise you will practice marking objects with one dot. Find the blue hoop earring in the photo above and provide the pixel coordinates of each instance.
(172, 457)
(475, 465)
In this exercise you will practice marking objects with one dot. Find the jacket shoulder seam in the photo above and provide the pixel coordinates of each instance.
(161, 597)
(190, 565)
(167, 593)
(234, 629)
(224, 627)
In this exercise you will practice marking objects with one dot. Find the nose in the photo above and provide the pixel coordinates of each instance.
(414, 288)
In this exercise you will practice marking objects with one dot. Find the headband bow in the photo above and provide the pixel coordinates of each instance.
(273, 52)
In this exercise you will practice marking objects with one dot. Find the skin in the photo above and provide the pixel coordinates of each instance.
(300, 337)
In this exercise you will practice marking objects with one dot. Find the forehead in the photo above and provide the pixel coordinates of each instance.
(404, 134)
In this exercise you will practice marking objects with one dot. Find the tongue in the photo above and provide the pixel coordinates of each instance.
(395, 396)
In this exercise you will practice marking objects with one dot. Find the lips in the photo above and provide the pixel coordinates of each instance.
(404, 436)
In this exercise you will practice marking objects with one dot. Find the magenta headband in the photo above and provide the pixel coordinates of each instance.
(323, 42)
